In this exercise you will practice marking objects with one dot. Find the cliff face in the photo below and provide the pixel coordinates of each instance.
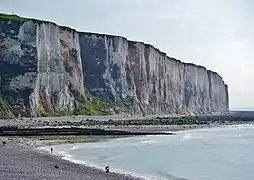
(49, 68)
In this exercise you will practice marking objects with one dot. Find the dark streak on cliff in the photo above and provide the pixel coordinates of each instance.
(46, 67)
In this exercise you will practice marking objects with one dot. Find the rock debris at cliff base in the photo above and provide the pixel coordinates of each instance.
(50, 70)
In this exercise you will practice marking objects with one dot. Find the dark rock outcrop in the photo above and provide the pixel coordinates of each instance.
(48, 68)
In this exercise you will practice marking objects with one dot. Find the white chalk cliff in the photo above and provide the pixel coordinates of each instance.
(49, 68)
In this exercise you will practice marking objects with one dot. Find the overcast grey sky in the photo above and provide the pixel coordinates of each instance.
(218, 34)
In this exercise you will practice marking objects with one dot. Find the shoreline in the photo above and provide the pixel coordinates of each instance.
(115, 124)
(22, 146)
(27, 168)
(38, 139)
(89, 164)
(126, 120)
(120, 171)
(23, 150)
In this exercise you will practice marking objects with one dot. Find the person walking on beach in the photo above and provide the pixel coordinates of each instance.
(107, 169)
(56, 166)
(51, 150)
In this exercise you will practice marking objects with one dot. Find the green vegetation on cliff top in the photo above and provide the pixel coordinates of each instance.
(5, 108)
(14, 17)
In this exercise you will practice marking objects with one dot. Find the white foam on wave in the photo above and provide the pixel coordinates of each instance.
(45, 148)
(170, 176)
(69, 157)
(157, 140)
(187, 136)
(146, 142)
(75, 147)
(98, 146)
(61, 153)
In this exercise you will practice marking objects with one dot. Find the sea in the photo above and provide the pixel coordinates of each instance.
(221, 153)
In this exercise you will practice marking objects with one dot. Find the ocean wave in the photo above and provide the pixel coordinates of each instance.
(170, 176)
(75, 147)
(90, 145)
(63, 154)
(187, 136)
(66, 156)
(45, 148)
(146, 142)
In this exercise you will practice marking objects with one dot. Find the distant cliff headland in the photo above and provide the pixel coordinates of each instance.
(51, 70)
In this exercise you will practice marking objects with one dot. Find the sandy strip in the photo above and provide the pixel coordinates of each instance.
(19, 162)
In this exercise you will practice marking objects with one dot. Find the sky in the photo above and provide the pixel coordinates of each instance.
(217, 34)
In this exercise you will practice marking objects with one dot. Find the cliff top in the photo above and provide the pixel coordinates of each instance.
(14, 17)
